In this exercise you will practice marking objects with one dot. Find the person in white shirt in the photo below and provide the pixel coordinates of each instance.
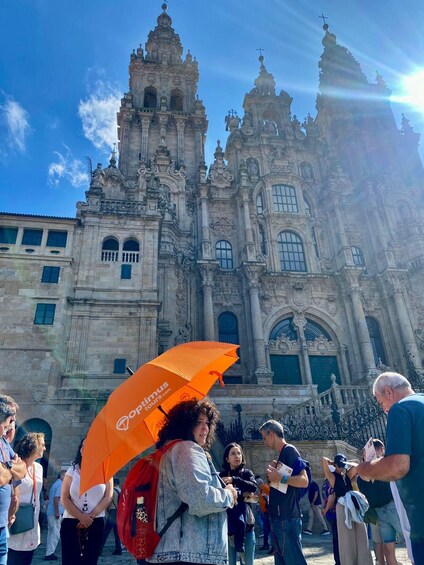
(54, 517)
(83, 522)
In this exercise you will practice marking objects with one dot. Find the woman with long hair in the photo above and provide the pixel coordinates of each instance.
(187, 475)
(23, 545)
(82, 526)
(241, 526)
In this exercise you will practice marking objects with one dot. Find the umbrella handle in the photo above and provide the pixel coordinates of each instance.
(219, 375)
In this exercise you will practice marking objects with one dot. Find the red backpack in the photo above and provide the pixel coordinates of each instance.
(136, 513)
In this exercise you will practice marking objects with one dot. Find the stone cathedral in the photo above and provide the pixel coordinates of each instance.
(302, 242)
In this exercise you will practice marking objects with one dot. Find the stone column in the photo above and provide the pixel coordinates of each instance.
(206, 236)
(263, 374)
(145, 123)
(198, 141)
(362, 334)
(207, 271)
(406, 330)
(345, 367)
(248, 233)
(300, 323)
(180, 140)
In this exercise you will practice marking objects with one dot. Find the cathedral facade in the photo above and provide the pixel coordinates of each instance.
(302, 242)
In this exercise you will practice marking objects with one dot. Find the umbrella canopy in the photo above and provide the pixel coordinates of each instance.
(132, 417)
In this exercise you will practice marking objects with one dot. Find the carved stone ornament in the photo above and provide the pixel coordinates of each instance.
(223, 226)
(283, 345)
(39, 394)
(219, 174)
(321, 345)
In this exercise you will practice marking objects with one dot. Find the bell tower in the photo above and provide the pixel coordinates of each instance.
(161, 109)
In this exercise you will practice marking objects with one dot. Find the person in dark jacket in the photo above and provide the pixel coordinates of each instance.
(241, 525)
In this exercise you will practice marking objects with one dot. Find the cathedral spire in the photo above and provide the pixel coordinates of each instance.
(265, 83)
(163, 44)
(339, 70)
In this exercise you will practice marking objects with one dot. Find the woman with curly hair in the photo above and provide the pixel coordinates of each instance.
(22, 545)
(187, 475)
(241, 523)
(83, 521)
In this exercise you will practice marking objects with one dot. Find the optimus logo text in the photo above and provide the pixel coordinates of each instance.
(148, 402)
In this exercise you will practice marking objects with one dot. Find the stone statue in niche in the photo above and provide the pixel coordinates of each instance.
(270, 127)
(307, 171)
(252, 167)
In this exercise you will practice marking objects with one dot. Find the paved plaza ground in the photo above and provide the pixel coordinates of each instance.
(317, 550)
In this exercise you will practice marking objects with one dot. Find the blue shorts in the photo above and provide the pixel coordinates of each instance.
(389, 523)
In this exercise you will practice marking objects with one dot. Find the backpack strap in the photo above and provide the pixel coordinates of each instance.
(183, 506)
(178, 512)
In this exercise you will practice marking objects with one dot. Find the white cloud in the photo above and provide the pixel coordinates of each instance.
(67, 168)
(14, 120)
(98, 115)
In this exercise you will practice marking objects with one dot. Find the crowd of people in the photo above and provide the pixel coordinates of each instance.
(379, 498)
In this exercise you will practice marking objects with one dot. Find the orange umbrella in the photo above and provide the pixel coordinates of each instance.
(133, 415)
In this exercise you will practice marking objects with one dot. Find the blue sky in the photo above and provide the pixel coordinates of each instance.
(64, 68)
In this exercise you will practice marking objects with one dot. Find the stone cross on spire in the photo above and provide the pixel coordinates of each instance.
(323, 18)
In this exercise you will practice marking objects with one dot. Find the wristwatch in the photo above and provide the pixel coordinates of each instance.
(284, 479)
(8, 464)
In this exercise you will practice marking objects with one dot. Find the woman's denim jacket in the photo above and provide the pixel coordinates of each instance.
(199, 535)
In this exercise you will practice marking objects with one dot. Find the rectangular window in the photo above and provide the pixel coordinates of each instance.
(44, 314)
(32, 237)
(284, 198)
(119, 366)
(126, 271)
(8, 235)
(50, 275)
(57, 238)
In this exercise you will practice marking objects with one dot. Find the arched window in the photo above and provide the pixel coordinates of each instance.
(284, 328)
(150, 97)
(131, 251)
(358, 257)
(228, 333)
(259, 204)
(290, 249)
(307, 206)
(271, 121)
(313, 331)
(176, 100)
(224, 254)
(228, 328)
(286, 352)
(376, 340)
(284, 198)
(110, 249)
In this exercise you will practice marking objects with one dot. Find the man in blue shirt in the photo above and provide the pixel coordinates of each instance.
(284, 510)
(7, 473)
(404, 458)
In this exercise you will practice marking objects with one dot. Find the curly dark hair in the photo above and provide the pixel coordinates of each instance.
(29, 444)
(183, 417)
(78, 456)
(225, 463)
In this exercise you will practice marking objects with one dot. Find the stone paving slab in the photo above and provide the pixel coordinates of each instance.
(317, 551)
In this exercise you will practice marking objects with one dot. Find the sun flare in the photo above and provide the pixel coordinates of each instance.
(414, 89)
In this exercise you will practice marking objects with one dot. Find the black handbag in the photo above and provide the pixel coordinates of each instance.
(24, 517)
